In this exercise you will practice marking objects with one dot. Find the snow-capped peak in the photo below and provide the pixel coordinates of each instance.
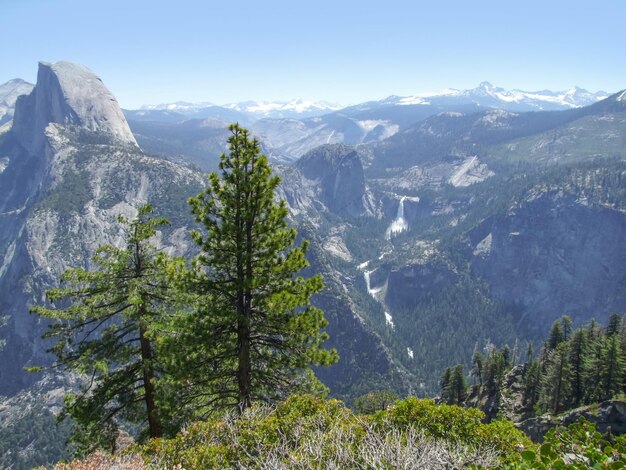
(489, 95)
(179, 106)
(276, 109)
(297, 106)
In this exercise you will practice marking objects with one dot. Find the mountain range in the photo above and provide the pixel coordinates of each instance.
(442, 224)
(485, 95)
(289, 130)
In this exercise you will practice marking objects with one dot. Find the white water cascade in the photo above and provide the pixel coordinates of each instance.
(399, 224)
(370, 291)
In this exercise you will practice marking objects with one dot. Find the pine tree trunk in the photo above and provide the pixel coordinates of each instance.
(244, 372)
(154, 424)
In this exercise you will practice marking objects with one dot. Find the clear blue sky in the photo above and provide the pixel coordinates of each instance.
(153, 51)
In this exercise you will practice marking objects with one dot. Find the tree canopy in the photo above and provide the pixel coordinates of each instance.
(251, 332)
(106, 333)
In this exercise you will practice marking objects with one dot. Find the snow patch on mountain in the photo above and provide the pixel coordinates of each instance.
(178, 106)
(487, 94)
(282, 109)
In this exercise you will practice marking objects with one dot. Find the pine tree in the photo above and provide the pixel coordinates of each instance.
(555, 384)
(458, 385)
(252, 332)
(556, 335)
(105, 333)
(566, 327)
(494, 370)
(477, 366)
(577, 358)
(531, 380)
(611, 369)
(445, 383)
(614, 324)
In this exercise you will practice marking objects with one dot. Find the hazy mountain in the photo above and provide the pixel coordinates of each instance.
(291, 129)
(489, 96)
(9, 92)
(298, 108)
(248, 110)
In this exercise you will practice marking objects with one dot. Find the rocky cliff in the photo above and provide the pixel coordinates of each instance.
(71, 168)
(338, 177)
(551, 254)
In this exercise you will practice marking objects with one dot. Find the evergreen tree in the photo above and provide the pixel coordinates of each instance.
(566, 327)
(106, 334)
(556, 335)
(614, 324)
(610, 369)
(577, 357)
(458, 385)
(445, 384)
(477, 366)
(530, 355)
(531, 380)
(252, 330)
(555, 384)
(494, 370)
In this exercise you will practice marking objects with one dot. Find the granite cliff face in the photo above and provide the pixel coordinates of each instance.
(71, 168)
(554, 254)
(337, 173)
(68, 94)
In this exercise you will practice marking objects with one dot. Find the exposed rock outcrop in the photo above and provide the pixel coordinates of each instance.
(608, 416)
(68, 93)
(340, 182)
(549, 253)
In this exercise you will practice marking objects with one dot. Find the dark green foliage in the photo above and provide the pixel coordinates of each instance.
(477, 367)
(33, 438)
(464, 306)
(587, 367)
(70, 195)
(578, 355)
(375, 401)
(555, 387)
(531, 383)
(106, 333)
(614, 324)
(444, 385)
(453, 385)
(496, 365)
(609, 368)
(249, 332)
(556, 335)
(579, 446)
(306, 432)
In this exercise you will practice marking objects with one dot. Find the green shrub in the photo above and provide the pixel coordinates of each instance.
(579, 446)
(309, 432)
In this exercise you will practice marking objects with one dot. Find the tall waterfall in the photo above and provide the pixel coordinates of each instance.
(371, 291)
(399, 224)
